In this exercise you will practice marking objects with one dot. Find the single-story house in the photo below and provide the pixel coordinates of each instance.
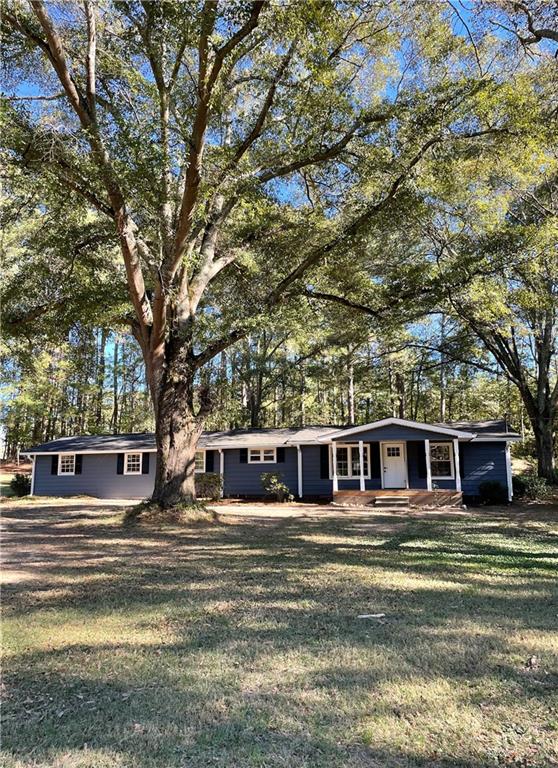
(373, 463)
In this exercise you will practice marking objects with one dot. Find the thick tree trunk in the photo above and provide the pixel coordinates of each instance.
(177, 433)
(544, 441)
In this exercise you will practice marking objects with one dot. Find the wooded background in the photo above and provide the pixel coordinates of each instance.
(404, 265)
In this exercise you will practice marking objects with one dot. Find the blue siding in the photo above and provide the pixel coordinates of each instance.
(245, 480)
(393, 432)
(98, 478)
(482, 461)
(312, 483)
(413, 449)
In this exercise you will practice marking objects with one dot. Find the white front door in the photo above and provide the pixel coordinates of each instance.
(394, 465)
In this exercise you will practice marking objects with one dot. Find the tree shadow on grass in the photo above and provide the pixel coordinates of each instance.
(257, 652)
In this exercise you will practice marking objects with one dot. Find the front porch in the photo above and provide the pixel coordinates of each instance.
(415, 466)
(401, 498)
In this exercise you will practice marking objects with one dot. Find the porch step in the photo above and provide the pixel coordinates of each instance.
(391, 501)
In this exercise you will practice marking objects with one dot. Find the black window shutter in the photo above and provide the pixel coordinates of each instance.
(210, 461)
(77, 466)
(461, 461)
(280, 455)
(375, 463)
(54, 465)
(421, 459)
(120, 464)
(145, 463)
(244, 455)
(324, 462)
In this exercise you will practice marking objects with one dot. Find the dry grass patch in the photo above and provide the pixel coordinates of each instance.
(213, 645)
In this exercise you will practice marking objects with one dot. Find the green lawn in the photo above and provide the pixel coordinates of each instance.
(239, 644)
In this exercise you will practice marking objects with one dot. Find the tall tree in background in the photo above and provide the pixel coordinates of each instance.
(234, 147)
(503, 286)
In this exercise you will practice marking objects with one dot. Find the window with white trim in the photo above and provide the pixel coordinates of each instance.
(441, 461)
(132, 464)
(67, 464)
(262, 455)
(348, 461)
(200, 461)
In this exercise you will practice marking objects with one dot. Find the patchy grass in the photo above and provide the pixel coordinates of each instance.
(239, 643)
(151, 514)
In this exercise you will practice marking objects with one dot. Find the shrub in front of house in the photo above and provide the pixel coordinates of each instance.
(519, 486)
(273, 484)
(209, 485)
(536, 488)
(21, 484)
(493, 492)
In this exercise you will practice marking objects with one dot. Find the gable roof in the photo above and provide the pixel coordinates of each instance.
(443, 429)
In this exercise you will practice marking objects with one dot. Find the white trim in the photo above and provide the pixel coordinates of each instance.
(32, 491)
(392, 421)
(333, 460)
(126, 471)
(349, 461)
(456, 464)
(451, 460)
(404, 453)
(509, 472)
(222, 470)
(488, 439)
(200, 471)
(66, 474)
(261, 459)
(361, 464)
(428, 467)
(299, 470)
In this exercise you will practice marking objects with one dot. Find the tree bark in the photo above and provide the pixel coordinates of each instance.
(543, 429)
(177, 433)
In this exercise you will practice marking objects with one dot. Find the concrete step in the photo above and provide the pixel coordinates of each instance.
(392, 501)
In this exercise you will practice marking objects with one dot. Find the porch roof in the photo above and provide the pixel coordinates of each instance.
(493, 429)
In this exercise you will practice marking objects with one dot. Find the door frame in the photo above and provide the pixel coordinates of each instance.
(404, 453)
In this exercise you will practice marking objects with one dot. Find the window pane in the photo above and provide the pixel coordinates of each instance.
(441, 459)
(355, 462)
(133, 463)
(269, 455)
(254, 454)
(441, 468)
(200, 461)
(393, 450)
(343, 462)
(67, 465)
(440, 452)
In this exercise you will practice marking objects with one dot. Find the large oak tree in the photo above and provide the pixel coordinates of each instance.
(235, 148)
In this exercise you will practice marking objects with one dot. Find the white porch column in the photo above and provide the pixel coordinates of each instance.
(457, 467)
(334, 468)
(34, 460)
(361, 461)
(428, 467)
(299, 467)
(222, 470)
(509, 471)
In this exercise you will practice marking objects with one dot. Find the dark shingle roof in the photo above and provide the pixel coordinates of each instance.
(484, 429)
(140, 441)
(238, 438)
